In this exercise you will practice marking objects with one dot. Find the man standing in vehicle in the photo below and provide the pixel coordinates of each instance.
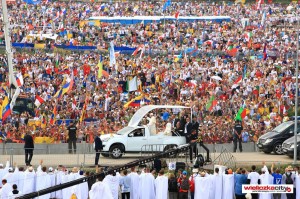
(237, 136)
(72, 137)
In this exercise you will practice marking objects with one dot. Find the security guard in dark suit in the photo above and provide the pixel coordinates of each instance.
(237, 136)
(194, 140)
(98, 147)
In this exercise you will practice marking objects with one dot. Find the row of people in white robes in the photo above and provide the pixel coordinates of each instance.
(143, 186)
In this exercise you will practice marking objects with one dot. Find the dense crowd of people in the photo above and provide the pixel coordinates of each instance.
(247, 62)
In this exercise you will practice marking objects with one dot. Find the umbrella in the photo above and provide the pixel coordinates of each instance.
(216, 78)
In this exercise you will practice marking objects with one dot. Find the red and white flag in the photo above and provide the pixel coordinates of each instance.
(238, 80)
(177, 15)
(74, 104)
(38, 100)
(19, 80)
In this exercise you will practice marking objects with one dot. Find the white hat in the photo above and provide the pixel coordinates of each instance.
(10, 169)
(50, 169)
(195, 170)
(1, 165)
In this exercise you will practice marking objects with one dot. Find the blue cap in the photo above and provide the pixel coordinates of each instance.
(184, 173)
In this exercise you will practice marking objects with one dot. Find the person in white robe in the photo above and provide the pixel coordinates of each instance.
(100, 190)
(161, 186)
(29, 183)
(52, 176)
(152, 124)
(4, 171)
(68, 192)
(135, 183)
(146, 187)
(11, 177)
(5, 190)
(15, 192)
(113, 181)
(168, 130)
(228, 185)
(297, 183)
(265, 179)
(60, 174)
(43, 180)
(20, 177)
(203, 184)
(216, 185)
(82, 191)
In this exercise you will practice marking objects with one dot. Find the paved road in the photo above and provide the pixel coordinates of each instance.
(88, 159)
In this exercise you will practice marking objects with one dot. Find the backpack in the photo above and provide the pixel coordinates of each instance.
(199, 161)
(192, 184)
(289, 179)
(185, 185)
(173, 186)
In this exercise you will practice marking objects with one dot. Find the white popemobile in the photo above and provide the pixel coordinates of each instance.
(133, 138)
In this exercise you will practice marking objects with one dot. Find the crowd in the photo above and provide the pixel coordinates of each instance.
(246, 63)
(148, 184)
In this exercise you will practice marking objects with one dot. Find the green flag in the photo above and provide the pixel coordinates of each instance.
(210, 102)
(239, 114)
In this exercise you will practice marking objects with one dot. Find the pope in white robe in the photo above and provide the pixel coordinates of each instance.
(135, 183)
(113, 182)
(100, 190)
(152, 124)
(43, 181)
(29, 183)
(161, 187)
(203, 186)
(216, 186)
(228, 186)
(146, 186)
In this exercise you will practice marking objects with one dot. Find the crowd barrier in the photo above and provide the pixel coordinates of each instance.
(54, 154)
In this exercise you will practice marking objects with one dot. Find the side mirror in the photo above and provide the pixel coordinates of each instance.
(130, 135)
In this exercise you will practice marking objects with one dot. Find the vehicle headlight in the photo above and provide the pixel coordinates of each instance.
(268, 141)
(292, 146)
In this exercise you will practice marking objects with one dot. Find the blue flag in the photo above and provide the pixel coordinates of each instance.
(34, 2)
(167, 4)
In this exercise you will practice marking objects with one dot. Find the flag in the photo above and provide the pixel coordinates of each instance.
(52, 119)
(74, 104)
(245, 72)
(19, 80)
(6, 110)
(263, 19)
(132, 85)
(241, 114)
(112, 57)
(238, 80)
(259, 4)
(211, 103)
(66, 87)
(138, 101)
(56, 61)
(256, 90)
(167, 4)
(100, 67)
(177, 15)
(44, 120)
(265, 52)
(136, 51)
(142, 52)
(38, 101)
(84, 109)
(248, 36)
(58, 94)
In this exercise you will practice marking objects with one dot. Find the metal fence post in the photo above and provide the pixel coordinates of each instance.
(84, 159)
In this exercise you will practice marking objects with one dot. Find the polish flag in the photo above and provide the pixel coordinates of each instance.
(238, 80)
(136, 51)
(38, 100)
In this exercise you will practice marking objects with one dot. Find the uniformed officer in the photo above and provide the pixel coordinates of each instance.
(237, 136)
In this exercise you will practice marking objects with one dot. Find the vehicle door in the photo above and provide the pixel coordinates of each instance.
(289, 132)
(155, 142)
(136, 139)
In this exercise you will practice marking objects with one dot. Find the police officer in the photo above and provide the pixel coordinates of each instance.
(72, 136)
(237, 136)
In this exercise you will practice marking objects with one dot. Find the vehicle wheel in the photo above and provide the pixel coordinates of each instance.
(116, 152)
(168, 147)
(278, 149)
(106, 155)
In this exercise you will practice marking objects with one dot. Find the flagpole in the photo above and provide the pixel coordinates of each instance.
(296, 98)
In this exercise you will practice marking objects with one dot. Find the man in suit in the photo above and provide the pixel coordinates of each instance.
(195, 124)
(188, 129)
(28, 147)
(98, 148)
